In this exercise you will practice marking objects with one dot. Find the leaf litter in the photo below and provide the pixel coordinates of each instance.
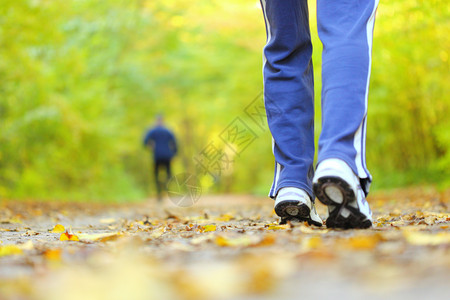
(217, 251)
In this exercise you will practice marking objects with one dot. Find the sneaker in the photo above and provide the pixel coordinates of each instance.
(336, 186)
(293, 204)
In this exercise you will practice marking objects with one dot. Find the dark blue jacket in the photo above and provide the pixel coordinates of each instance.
(163, 142)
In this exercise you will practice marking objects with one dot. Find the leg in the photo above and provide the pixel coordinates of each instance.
(168, 174)
(288, 96)
(156, 165)
(342, 180)
(288, 92)
(168, 170)
(345, 29)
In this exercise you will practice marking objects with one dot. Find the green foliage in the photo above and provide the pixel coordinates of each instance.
(410, 103)
(81, 80)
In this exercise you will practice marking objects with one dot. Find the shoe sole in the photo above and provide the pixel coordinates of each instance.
(291, 210)
(355, 219)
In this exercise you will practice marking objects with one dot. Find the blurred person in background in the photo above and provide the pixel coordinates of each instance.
(161, 141)
(341, 180)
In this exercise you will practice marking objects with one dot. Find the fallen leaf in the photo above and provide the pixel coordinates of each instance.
(311, 243)
(277, 227)
(395, 213)
(322, 254)
(52, 254)
(225, 218)
(58, 229)
(423, 239)
(268, 240)
(10, 250)
(363, 242)
(409, 217)
(13, 220)
(241, 241)
(209, 228)
(398, 223)
(382, 219)
(170, 215)
(100, 237)
(157, 232)
(66, 236)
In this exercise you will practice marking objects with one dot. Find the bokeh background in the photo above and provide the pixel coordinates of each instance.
(81, 81)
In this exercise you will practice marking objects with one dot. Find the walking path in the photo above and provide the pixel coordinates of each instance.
(223, 247)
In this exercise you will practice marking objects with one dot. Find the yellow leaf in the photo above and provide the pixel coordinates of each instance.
(242, 241)
(224, 242)
(101, 237)
(409, 217)
(58, 229)
(277, 227)
(15, 219)
(313, 242)
(382, 219)
(157, 232)
(268, 240)
(423, 239)
(398, 223)
(225, 218)
(208, 228)
(363, 242)
(10, 250)
(66, 236)
(73, 238)
(52, 254)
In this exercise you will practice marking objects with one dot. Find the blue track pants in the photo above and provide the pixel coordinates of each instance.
(345, 29)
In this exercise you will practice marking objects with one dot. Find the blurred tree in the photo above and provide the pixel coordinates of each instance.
(81, 80)
(409, 128)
